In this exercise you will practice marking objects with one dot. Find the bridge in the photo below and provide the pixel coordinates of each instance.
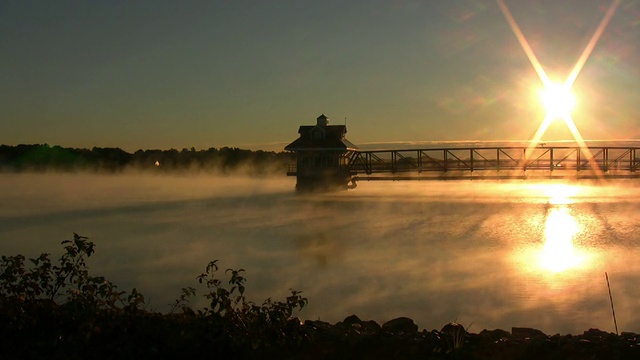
(474, 163)
(510, 162)
(326, 159)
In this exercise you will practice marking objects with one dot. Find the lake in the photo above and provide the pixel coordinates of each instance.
(485, 254)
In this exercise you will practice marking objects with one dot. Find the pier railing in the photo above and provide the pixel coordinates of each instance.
(516, 161)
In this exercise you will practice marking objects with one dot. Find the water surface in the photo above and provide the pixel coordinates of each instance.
(485, 254)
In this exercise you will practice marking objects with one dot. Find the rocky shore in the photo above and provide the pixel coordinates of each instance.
(399, 338)
(50, 331)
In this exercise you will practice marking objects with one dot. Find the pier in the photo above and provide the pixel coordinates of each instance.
(495, 163)
(325, 159)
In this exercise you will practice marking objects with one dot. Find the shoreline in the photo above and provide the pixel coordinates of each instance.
(400, 338)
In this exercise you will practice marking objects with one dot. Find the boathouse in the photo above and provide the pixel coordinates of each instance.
(322, 156)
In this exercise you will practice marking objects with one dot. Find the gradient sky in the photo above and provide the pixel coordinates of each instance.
(162, 74)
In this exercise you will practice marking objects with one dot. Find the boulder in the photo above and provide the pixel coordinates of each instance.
(596, 335)
(496, 335)
(371, 327)
(524, 333)
(400, 326)
(317, 325)
(350, 320)
(454, 329)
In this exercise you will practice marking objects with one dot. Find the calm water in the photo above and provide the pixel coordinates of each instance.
(489, 255)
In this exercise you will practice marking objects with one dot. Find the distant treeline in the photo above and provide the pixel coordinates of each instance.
(42, 157)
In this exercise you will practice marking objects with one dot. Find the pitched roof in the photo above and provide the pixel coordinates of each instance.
(339, 130)
(333, 139)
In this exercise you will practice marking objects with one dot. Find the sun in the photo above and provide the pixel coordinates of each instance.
(557, 100)
(558, 97)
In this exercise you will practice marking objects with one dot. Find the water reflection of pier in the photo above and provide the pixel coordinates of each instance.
(494, 163)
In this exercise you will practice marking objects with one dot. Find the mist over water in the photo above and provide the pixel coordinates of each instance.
(485, 254)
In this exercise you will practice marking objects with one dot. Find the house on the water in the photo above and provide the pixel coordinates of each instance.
(322, 156)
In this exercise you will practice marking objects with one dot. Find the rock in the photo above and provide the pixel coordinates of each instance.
(368, 327)
(293, 324)
(400, 326)
(523, 333)
(371, 327)
(353, 319)
(454, 335)
(496, 335)
(631, 339)
(317, 325)
(596, 335)
(454, 329)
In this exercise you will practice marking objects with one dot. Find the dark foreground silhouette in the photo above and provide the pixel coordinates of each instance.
(60, 311)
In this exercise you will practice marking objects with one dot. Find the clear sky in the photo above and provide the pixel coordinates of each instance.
(162, 74)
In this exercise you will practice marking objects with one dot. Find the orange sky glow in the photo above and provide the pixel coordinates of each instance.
(248, 73)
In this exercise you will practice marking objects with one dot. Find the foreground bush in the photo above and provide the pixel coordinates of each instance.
(61, 311)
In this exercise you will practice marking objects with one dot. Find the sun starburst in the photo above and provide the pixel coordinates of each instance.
(557, 98)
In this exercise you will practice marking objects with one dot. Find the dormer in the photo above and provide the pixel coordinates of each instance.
(321, 137)
(322, 121)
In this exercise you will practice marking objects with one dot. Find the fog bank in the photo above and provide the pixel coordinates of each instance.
(433, 251)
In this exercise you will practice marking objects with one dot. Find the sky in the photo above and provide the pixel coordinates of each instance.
(175, 74)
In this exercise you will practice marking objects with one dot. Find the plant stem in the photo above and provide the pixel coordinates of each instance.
(615, 323)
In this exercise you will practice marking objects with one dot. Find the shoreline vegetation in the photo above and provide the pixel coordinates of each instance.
(59, 310)
(42, 157)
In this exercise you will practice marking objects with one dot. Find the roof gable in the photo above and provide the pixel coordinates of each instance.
(321, 137)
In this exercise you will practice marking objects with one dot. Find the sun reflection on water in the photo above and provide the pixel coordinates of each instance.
(561, 194)
(557, 253)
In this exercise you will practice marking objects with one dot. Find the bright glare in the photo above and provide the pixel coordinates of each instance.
(558, 253)
(560, 194)
(558, 100)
